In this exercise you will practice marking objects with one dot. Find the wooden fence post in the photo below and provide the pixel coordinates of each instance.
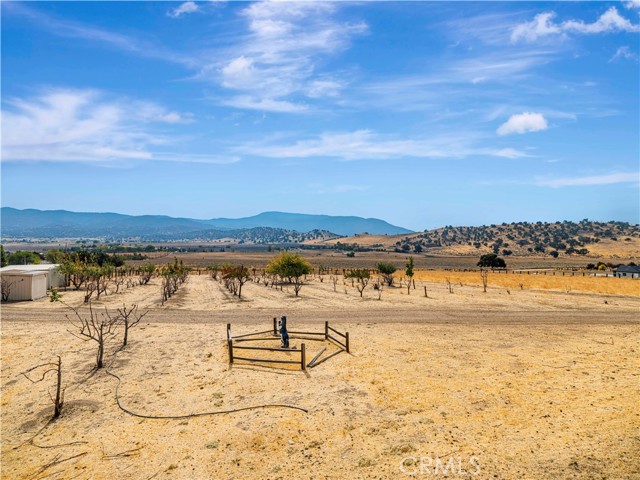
(275, 326)
(347, 341)
(303, 357)
(326, 330)
(229, 343)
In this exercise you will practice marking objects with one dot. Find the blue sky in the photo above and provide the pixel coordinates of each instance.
(424, 114)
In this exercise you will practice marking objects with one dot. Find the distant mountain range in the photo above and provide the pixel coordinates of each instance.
(32, 223)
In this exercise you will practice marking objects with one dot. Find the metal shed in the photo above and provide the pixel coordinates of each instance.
(24, 285)
(54, 278)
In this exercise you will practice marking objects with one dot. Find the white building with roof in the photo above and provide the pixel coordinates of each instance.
(54, 278)
(20, 285)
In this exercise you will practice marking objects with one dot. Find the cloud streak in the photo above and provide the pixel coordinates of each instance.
(369, 145)
(607, 179)
(72, 29)
(90, 127)
(624, 53)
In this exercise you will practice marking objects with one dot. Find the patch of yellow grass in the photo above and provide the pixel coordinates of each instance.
(567, 283)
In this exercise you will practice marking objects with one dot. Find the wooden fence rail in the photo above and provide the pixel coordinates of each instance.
(232, 357)
(330, 334)
(344, 344)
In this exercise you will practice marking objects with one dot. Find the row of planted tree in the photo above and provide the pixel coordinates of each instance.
(293, 270)
(100, 276)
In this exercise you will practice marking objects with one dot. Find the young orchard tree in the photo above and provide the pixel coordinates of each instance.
(408, 271)
(241, 276)
(74, 273)
(334, 280)
(379, 287)
(51, 367)
(213, 270)
(94, 327)
(146, 273)
(234, 278)
(292, 267)
(484, 276)
(5, 288)
(173, 275)
(387, 270)
(362, 276)
(130, 317)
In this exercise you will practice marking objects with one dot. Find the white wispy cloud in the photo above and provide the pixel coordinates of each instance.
(523, 123)
(543, 25)
(632, 4)
(624, 53)
(606, 179)
(369, 145)
(275, 63)
(66, 125)
(511, 153)
(492, 76)
(73, 29)
(186, 7)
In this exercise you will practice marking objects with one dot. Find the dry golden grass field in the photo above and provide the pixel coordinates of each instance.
(538, 382)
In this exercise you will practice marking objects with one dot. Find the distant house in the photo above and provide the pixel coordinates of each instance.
(625, 271)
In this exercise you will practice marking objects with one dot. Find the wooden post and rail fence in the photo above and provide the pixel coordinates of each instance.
(329, 334)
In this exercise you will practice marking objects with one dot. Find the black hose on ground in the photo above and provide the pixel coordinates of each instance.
(202, 414)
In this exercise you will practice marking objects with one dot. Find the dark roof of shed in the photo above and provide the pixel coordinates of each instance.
(628, 269)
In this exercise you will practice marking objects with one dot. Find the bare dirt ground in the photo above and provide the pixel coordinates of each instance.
(535, 384)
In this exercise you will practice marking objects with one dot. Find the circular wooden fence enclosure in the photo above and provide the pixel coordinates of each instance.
(274, 354)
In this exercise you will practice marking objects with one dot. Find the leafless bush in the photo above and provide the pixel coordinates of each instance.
(379, 286)
(5, 288)
(56, 367)
(484, 275)
(334, 281)
(449, 284)
(129, 317)
(95, 327)
(362, 275)
(118, 281)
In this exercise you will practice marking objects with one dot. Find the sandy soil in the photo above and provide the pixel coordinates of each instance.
(531, 384)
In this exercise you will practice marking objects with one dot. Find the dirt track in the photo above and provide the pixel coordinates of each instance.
(408, 315)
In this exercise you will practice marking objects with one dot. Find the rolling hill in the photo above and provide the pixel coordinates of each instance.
(587, 238)
(32, 223)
